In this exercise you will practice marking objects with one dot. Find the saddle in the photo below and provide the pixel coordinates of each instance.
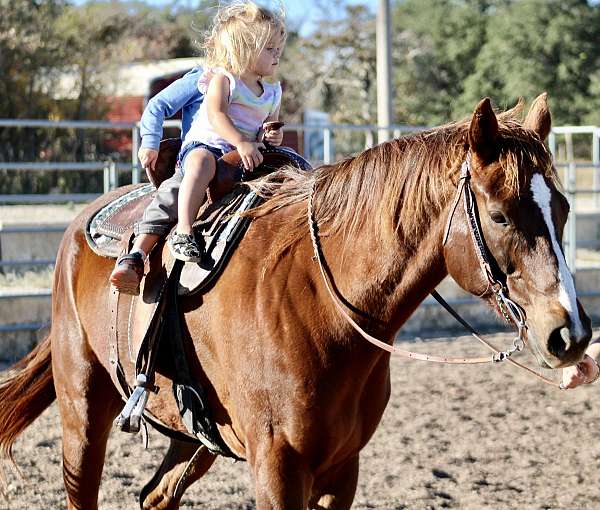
(143, 325)
(230, 169)
(111, 227)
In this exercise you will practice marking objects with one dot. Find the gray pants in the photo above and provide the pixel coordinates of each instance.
(161, 214)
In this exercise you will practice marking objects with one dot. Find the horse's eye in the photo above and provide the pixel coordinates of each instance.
(498, 217)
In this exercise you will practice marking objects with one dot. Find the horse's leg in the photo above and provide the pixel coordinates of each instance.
(88, 404)
(282, 480)
(337, 492)
(184, 463)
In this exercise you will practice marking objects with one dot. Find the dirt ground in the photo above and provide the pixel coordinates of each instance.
(466, 437)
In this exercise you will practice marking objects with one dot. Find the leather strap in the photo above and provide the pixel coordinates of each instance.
(183, 383)
(117, 373)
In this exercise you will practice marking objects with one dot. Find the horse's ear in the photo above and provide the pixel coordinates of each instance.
(516, 111)
(538, 118)
(483, 132)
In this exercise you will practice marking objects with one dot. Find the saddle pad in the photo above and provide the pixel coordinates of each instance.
(222, 228)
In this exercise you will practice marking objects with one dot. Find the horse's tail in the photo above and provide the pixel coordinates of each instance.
(25, 393)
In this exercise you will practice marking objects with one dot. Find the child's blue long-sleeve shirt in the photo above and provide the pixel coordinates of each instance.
(182, 94)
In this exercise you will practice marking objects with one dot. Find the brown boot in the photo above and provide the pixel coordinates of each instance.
(128, 273)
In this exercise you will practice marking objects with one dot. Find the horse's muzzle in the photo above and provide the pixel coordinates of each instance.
(567, 344)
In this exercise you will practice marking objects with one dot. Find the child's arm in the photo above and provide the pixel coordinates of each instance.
(217, 104)
(163, 105)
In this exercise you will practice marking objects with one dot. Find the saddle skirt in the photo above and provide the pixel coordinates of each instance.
(112, 224)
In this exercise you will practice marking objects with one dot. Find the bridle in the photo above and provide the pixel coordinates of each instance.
(510, 310)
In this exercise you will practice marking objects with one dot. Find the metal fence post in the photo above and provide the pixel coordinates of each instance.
(552, 145)
(327, 156)
(596, 163)
(113, 175)
(571, 251)
(106, 174)
(369, 140)
(135, 145)
(569, 148)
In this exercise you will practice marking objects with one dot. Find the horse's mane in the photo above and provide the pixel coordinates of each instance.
(397, 187)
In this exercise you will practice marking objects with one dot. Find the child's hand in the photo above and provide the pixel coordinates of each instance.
(251, 157)
(274, 136)
(147, 158)
(585, 372)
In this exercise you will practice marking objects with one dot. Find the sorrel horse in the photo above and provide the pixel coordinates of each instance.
(294, 389)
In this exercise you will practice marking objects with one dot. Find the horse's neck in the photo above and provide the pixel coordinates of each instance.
(389, 282)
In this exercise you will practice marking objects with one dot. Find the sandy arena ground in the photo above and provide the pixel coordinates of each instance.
(466, 437)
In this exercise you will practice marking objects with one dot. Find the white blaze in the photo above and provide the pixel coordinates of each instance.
(566, 292)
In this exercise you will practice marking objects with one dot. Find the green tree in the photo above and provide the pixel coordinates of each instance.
(339, 64)
(92, 40)
(538, 45)
(436, 43)
(28, 44)
(592, 106)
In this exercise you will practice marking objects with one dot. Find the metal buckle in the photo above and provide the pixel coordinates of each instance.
(511, 310)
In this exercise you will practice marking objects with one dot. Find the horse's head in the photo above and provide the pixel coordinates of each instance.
(522, 215)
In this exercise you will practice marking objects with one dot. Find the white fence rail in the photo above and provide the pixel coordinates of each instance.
(561, 143)
(111, 168)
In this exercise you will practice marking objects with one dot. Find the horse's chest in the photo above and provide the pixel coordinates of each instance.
(327, 417)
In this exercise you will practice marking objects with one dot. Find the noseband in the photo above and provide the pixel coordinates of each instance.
(510, 310)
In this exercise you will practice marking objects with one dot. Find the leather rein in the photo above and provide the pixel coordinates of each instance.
(510, 310)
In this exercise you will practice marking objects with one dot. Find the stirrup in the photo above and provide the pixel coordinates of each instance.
(131, 416)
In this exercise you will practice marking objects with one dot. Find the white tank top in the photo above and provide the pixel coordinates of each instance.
(247, 111)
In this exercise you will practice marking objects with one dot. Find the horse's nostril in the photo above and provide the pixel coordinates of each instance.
(559, 341)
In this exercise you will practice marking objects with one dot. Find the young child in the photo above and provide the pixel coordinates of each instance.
(244, 46)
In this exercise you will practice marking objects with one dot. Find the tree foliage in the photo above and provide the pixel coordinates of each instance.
(533, 46)
(448, 54)
(41, 41)
(27, 44)
(342, 70)
(436, 42)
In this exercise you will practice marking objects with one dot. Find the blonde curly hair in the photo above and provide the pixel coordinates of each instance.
(240, 31)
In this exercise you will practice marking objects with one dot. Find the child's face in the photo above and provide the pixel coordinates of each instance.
(267, 62)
